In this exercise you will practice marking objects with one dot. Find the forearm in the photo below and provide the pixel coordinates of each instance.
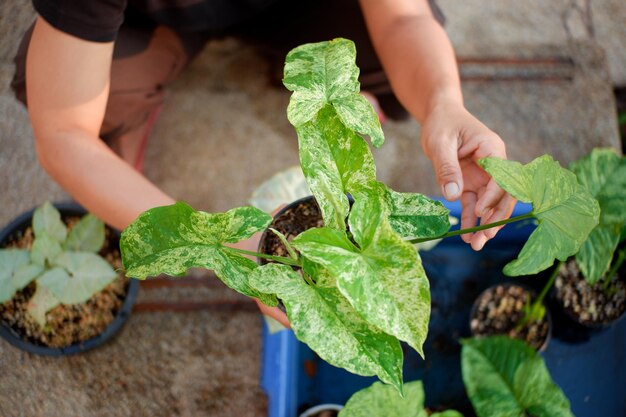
(97, 178)
(416, 54)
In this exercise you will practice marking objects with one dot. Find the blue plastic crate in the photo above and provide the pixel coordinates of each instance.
(592, 372)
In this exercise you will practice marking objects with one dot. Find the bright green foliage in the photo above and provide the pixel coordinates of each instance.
(565, 210)
(506, 377)
(172, 239)
(603, 174)
(382, 277)
(324, 320)
(383, 401)
(63, 271)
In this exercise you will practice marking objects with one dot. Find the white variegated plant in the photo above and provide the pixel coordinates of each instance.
(65, 265)
(360, 288)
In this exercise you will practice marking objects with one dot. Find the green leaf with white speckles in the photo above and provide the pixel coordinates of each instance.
(383, 401)
(325, 321)
(416, 216)
(506, 377)
(77, 276)
(47, 219)
(565, 210)
(382, 278)
(171, 239)
(87, 235)
(603, 174)
(10, 261)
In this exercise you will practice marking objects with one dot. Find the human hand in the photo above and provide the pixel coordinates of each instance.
(454, 141)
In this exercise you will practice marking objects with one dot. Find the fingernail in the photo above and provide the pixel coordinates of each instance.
(451, 189)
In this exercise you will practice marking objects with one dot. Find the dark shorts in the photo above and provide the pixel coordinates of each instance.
(147, 57)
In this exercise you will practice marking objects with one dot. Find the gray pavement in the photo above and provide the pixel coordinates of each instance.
(544, 86)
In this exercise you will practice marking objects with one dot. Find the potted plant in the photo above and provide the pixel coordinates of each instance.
(591, 287)
(354, 288)
(506, 377)
(59, 289)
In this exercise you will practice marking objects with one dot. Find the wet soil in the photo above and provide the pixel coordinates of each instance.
(66, 324)
(588, 304)
(498, 311)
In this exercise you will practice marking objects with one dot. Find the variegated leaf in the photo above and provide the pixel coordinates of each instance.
(77, 276)
(47, 219)
(603, 174)
(86, 236)
(382, 278)
(506, 377)
(10, 261)
(171, 239)
(383, 401)
(325, 321)
(40, 303)
(565, 210)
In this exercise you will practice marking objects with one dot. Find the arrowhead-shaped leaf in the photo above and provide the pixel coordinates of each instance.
(40, 303)
(77, 276)
(603, 174)
(565, 210)
(505, 377)
(382, 278)
(325, 321)
(44, 249)
(383, 401)
(171, 239)
(47, 219)
(87, 235)
(11, 260)
(25, 274)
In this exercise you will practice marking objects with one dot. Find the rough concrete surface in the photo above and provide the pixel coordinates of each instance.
(221, 133)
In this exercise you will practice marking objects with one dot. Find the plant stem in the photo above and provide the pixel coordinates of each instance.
(549, 284)
(474, 229)
(621, 257)
(280, 259)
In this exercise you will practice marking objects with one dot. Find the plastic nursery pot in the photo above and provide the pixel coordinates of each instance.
(498, 310)
(583, 310)
(323, 410)
(11, 335)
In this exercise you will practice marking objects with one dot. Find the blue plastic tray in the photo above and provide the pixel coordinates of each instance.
(591, 369)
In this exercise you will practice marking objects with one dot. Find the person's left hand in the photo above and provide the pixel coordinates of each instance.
(454, 141)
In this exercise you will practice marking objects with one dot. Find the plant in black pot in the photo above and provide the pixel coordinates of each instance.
(591, 287)
(59, 289)
(347, 273)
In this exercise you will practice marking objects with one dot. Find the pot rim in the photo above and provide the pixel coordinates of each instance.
(322, 407)
(7, 333)
(526, 288)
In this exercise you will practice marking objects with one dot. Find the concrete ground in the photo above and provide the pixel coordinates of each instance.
(539, 73)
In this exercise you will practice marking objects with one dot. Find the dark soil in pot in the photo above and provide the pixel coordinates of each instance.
(66, 324)
(499, 309)
(292, 220)
(590, 305)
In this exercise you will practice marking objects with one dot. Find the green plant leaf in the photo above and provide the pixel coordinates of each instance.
(47, 219)
(382, 278)
(325, 321)
(25, 274)
(77, 276)
(416, 216)
(40, 303)
(603, 174)
(447, 413)
(565, 210)
(171, 239)
(44, 249)
(86, 236)
(506, 377)
(383, 401)
(10, 261)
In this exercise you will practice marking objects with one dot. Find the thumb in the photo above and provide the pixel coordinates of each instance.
(446, 163)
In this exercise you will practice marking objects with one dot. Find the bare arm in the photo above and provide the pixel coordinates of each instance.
(68, 85)
(419, 60)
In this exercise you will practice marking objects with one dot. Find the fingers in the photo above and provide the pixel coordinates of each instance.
(502, 211)
(446, 163)
(468, 215)
(489, 199)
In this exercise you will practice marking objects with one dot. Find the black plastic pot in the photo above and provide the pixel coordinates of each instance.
(532, 294)
(570, 328)
(21, 223)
